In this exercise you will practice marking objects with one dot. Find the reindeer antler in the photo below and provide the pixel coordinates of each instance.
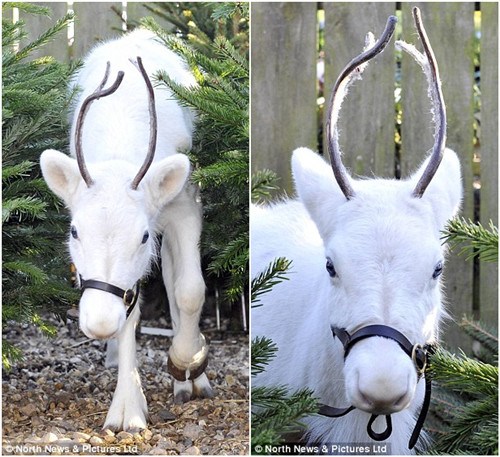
(153, 129)
(428, 63)
(350, 73)
(98, 93)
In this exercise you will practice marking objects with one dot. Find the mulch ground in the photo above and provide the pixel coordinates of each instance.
(56, 399)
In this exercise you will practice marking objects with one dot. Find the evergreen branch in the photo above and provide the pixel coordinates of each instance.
(265, 281)
(282, 414)
(263, 351)
(226, 10)
(19, 170)
(29, 8)
(231, 170)
(264, 183)
(479, 241)
(45, 37)
(488, 339)
(463, 374)
(21, 207)
(227, 51)
(467, 422)
(27, 269)
(233, 256)
(10, 354)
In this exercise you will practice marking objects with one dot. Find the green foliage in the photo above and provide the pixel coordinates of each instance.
(275, 412)
(263, 351)
(264, 185)
(201, 23)
(479, 241)
(468, 405)
(487, 337)
(465, 402)
(35, 101)
(278, 413)
(266, 280)
(216, 52)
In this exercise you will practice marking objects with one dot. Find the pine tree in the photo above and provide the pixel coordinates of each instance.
(466, 399)
(218, 57)
(34, 101)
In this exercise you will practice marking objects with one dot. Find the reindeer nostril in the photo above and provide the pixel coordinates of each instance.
(402, 401)
(381, 402)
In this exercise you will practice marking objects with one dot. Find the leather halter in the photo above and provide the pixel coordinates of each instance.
(419, 354)
(129, 296)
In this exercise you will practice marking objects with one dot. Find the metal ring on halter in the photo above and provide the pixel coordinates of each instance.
(129, 297)
(419, 357)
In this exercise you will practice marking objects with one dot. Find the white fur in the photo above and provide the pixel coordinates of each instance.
(384, 244)
(111, 218)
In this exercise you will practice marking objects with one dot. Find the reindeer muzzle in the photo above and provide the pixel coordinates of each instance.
(419, 355)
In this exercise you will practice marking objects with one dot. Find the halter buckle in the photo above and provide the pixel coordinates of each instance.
(129, 297)
(419, 357)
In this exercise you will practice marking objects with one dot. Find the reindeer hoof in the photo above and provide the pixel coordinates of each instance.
(128, 410)
(202, 387)
(131, 425)
(181, 397)
(183, 391)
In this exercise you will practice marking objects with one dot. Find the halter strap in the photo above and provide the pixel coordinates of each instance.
(129, 296)
(349, 341)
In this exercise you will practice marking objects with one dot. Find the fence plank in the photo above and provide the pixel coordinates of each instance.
(452, 39)
(283, 90)
(136, 11)
(95, 21)
(489, 152)
(36, 25)
(366, 123)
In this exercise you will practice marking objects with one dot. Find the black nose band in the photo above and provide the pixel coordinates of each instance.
(419, 355)
(129, 296)
(348, 341)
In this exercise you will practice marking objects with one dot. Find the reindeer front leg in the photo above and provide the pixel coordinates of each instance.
(128, 409)
(188, 355)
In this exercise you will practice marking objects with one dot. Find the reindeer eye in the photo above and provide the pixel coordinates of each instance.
(73, 232)
(437, 270)
(330, 268)
(145, 237)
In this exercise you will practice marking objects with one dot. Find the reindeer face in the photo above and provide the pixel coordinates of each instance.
(112, 229)
(383, 261)
(384, 266)
(111, 240)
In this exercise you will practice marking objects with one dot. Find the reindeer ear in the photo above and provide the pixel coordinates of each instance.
(60, 173)
(444, 192)
(166, 178)
(316, 187)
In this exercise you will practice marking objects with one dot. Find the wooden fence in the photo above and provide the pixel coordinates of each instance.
(284, 111)
(94, 22)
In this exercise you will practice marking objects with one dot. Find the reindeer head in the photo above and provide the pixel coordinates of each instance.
(114, 209)
(383, 253)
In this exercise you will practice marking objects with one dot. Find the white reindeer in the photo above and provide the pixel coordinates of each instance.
(118, 206)
(363, 298)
